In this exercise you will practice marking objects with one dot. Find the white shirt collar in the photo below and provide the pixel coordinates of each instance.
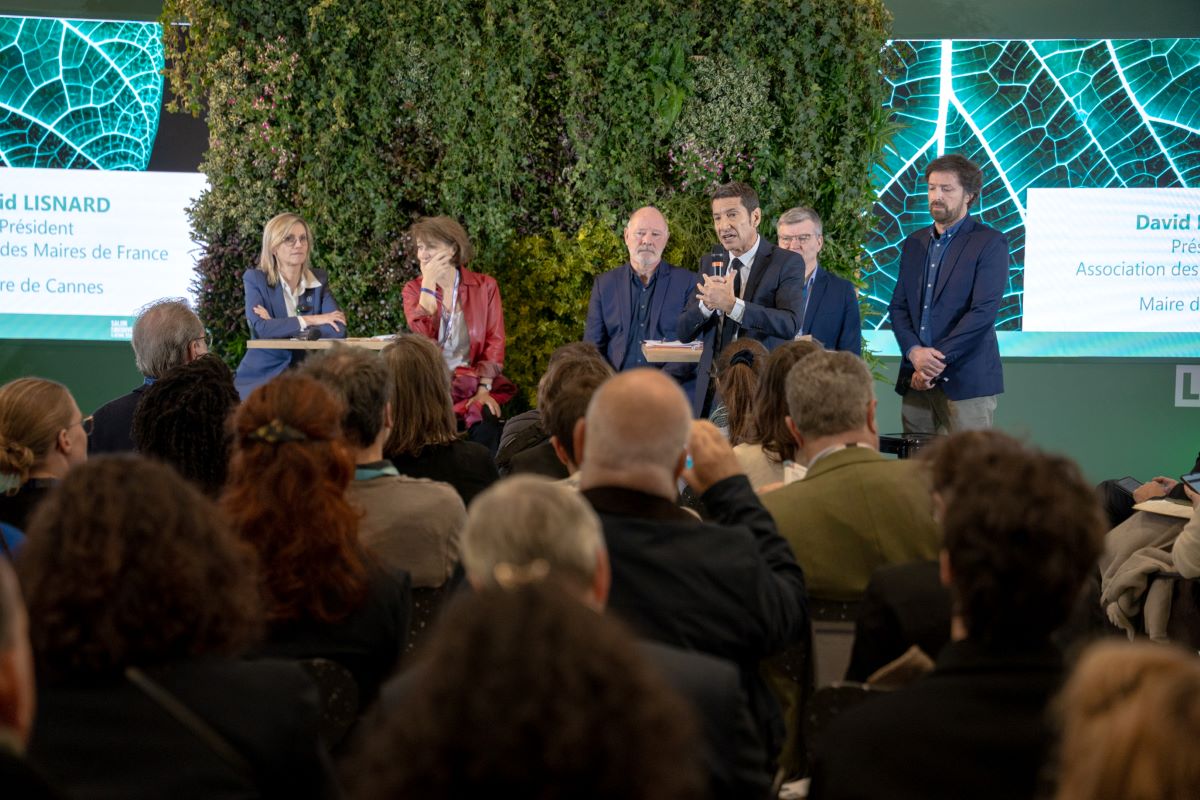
(747, 258)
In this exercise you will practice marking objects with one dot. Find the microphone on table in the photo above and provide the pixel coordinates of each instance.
(310, 334)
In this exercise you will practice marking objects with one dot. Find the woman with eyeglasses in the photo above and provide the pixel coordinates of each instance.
(460, 311)
(286, 297)
(42, 435)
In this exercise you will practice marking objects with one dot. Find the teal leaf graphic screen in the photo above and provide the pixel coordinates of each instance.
(79, 93)
(1043, 115)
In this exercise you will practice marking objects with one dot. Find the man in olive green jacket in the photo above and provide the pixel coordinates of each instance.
(855, 510)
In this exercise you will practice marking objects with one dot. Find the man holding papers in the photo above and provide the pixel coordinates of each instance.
(640, 300)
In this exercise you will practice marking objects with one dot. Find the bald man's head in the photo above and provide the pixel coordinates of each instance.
(637, 419)
(646, 236)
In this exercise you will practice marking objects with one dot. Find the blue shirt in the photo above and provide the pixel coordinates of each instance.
(938, 245)
(640, 296)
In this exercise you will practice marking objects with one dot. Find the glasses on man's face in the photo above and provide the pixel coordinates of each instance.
(87, 423)
(803, 238)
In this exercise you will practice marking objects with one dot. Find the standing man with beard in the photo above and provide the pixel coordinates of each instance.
(640, 300)
(757, 291)
(948, 292)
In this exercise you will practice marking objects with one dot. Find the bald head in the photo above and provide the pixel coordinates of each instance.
(638, 420)
(646, 237)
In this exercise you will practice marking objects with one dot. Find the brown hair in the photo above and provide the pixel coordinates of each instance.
(444, 230)
(582, 714)
(32, 413)
(569, 353)
(770, 402)
(1130, 718)
(1023, 530)
(739, 368)
(741, 191)
(127, 564)
(567, 395)
(286, 496)
(969, 174)
(422, 411)
(363, 383)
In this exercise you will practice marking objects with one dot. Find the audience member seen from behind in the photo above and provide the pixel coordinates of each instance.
(739, 367)
(523, 692)
(1021, 537)
(17, 696)
(1130, 717)
(286, 297)
(140, 601)
(167, 333)
(768, 457)
(730, 587)
(183, 419)
(460, 310)
(286, 496)
(528, 520)
(43, 434)
(567, 398)
(411, 524)
(525, 444)
(424, 442)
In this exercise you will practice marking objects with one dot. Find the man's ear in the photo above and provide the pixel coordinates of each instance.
(602, 580)
(579, 438)
(560, 451)
(387, 415)
(791, 426)
(756, 217)
(872, 424)
(193, 350)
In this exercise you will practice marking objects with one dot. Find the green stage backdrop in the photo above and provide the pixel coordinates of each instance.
(1115, 417)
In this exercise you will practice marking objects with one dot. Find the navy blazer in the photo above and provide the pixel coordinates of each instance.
(610, 315)
(259, 366)
(966, 300)
(832, 316)
(774, 298)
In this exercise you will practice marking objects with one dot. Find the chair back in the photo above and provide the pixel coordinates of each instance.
(827, 703)
(833, 638)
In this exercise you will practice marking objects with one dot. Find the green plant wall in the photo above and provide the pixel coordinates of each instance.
(539, 124)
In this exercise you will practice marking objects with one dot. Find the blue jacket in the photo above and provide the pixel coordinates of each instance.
(832, 316)
(774, 299)
(259, 366)
(610, 315)
(966, 299)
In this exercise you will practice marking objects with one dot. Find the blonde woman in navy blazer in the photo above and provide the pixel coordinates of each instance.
(285, 297)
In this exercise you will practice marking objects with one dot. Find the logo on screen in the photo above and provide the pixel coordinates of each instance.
(1187, 386)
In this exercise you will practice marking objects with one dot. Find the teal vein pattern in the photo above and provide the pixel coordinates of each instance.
(1055, 113)
(79, 94)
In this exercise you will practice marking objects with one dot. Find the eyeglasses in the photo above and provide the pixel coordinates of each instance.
(803, 238)
(87, 422)
(291, 240)
(206, 338)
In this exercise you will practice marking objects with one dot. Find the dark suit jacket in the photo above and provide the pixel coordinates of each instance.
(966, 299)
(974, 727)
(105, 738)
(112, 422)
(905, 604)
(730, 588)
(21, 780)
(610, 315)
(774, 297)
(259, 366)
(832, 316)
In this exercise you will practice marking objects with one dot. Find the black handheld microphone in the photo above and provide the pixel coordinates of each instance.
(718, 260)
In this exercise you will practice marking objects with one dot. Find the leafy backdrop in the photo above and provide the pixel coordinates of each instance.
(540, 124)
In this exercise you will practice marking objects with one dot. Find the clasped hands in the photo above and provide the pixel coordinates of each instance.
(716, 292)
(331, 318)
(928, 363)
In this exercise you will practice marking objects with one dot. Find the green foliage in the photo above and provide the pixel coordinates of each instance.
(540, 125)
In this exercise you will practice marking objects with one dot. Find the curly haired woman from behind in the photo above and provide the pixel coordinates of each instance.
(526, 692)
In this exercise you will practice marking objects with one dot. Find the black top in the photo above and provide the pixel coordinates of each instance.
(16, 509)
(974, 727)
(21, 780)
(904, 604)
(466, 466)
(368, 642)
(112, 430)
(103, 737)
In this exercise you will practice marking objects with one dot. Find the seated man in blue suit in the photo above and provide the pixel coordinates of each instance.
(748, 288)
(831, 313)
(640, 300)
(285, 295)
(944, 308)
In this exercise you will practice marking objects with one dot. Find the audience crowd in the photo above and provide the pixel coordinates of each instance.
(323, 587)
